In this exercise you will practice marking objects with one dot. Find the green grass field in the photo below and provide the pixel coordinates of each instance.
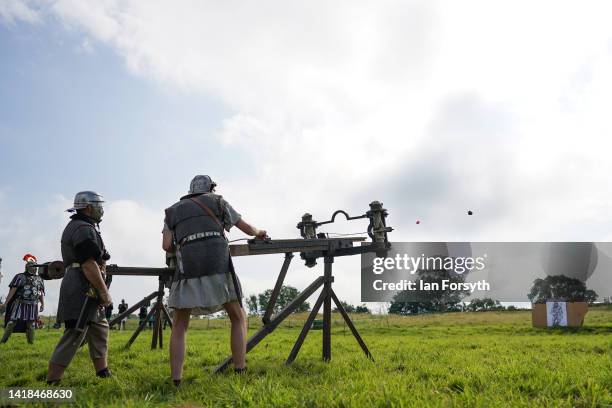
(460, 359)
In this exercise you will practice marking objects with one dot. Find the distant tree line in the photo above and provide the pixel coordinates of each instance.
(354, 309)
(474, 305)
(410, 302)
(257, 304)
(557, 287)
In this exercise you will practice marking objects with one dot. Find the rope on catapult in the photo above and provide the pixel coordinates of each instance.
(239, 239)
(328, 233)
(345, 235)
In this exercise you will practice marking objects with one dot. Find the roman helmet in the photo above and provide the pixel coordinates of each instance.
(201, 184)
(30, 260)
(84, 198)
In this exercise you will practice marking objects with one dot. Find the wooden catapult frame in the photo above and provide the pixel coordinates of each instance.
(311, 247)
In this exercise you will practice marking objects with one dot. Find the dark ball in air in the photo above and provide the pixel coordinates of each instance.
(418, 222)
(470, 212)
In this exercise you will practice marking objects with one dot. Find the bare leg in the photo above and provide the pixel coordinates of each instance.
(180, 323)
(239, 333)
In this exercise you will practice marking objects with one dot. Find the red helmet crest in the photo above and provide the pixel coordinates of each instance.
(29, 258)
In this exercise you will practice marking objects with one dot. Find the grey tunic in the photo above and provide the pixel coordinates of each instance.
(79, 233)
(206, 294)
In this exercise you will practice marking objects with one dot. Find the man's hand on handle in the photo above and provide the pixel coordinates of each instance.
(105, 298)
(261, 234)
(251, 230)
(94, 274)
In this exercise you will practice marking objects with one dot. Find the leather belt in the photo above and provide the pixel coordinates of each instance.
(198, 236)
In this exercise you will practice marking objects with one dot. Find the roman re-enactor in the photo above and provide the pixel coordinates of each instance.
(123, 307)
(26, 291)
(205, 281)
(84, 256)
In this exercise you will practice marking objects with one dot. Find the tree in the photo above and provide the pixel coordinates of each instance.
(560, 287)
(437, 300)
(362, 309)
(286, 295)
(347, 307)
(353, 309)
(477, 305)
(252, 305)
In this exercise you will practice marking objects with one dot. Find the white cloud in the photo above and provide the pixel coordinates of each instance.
(329, 96)
(13, 10)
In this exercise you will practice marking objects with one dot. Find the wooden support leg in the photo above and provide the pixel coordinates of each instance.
(128, 312)
(277, 288)
(306, 328)
(282, 315)
(140, 328)
(167, 315)
(327, 309)
(160, 328)
(349, 323)
(157, 327)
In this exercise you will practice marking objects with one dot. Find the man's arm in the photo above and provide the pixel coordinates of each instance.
(167, 241)
(250, 230)
(92, 273)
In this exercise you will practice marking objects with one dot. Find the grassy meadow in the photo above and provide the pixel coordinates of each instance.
(488, 359)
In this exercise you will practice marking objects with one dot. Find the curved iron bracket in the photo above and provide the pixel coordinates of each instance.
(333, 218)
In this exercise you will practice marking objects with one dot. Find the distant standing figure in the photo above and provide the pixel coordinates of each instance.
(142, 315)
(205, 281)
(27, 289)
(122, 308)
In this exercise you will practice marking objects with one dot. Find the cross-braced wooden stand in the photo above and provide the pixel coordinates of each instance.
(158, 310)
(313, 247)
(327, 249)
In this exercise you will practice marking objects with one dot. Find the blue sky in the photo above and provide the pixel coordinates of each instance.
(432, 107)
(73, 120)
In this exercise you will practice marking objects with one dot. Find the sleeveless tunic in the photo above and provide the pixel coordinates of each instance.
(204, 279)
